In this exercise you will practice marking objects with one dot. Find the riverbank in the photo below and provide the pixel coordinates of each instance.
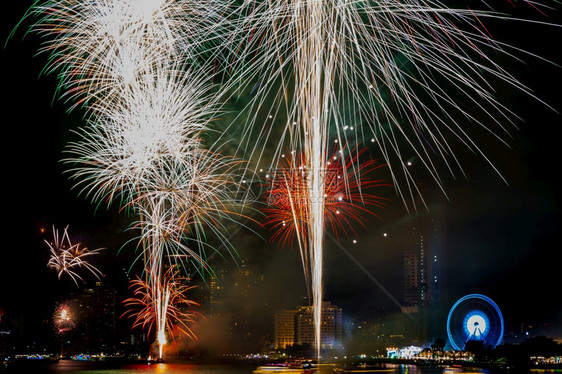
(504, 366)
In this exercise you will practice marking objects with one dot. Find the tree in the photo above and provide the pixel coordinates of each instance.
(439, 344)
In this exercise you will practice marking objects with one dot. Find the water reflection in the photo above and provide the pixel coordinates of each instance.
(78, 367)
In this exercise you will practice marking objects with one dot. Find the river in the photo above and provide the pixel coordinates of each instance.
(80, 367)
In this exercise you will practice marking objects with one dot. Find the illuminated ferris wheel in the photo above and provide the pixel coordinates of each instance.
(475, 317)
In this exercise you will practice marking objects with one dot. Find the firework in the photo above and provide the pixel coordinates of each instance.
(67, 257)
(147, 154)
(143, 148)
(186, 201)
(97, 48)
(413, 76)
(63, 318)
(135, 67)
(162, 306)
(409, 72)
(381, 64)
(157, 121)
(347, 200)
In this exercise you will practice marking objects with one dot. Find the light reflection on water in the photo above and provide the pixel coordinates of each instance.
(78, 367)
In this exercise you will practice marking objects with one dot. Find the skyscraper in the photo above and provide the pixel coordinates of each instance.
(419, 236)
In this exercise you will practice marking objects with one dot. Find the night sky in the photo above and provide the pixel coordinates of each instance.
(502, 239)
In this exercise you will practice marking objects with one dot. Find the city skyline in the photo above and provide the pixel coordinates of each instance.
(499, 238)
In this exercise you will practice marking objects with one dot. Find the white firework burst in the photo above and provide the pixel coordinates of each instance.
(411, 77)
(159, 120)
(97, 47)
(68, 258)
(186, 202)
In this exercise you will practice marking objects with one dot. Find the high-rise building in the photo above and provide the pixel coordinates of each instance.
(230, 299)
(420, 238)
(301, 323)
(215, 296)
(411, 268)
(95, 318)
(332, 323)
(284, 328)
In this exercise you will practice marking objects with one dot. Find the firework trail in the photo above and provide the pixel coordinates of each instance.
(146, 153)
(67, 258)
(186, 202)
(412, 74)
(97, 48)
(138, 68)
(63, 321)
(162, 306)
(346, 204)
(158, 121)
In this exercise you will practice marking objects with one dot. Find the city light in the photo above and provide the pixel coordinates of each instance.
(226, 154)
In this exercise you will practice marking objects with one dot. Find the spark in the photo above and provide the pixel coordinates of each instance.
(161, 306)
(97, 48)
(63, 318)
(136, 67)
(67, 258)
(348, 200)
(412, 72)
(158, 120)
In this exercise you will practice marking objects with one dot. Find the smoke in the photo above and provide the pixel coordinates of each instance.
(213, 337)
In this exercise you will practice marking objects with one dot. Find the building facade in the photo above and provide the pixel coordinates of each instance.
(284, 328)
(297, 327)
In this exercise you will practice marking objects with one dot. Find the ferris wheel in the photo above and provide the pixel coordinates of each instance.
(475, 317)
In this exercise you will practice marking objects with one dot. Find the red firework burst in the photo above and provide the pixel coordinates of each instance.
(166, 296)
(349, 196)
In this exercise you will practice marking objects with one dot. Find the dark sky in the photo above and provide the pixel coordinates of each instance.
(502, 239)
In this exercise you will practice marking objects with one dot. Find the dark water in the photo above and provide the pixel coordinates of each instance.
(82, 367)
(78, 367)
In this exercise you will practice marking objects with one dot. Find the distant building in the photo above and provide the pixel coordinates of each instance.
(96, 319)
(419, 236)
(230, 300)
(215, 297)
(300, 324)
(284, 328)
(420, 244)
